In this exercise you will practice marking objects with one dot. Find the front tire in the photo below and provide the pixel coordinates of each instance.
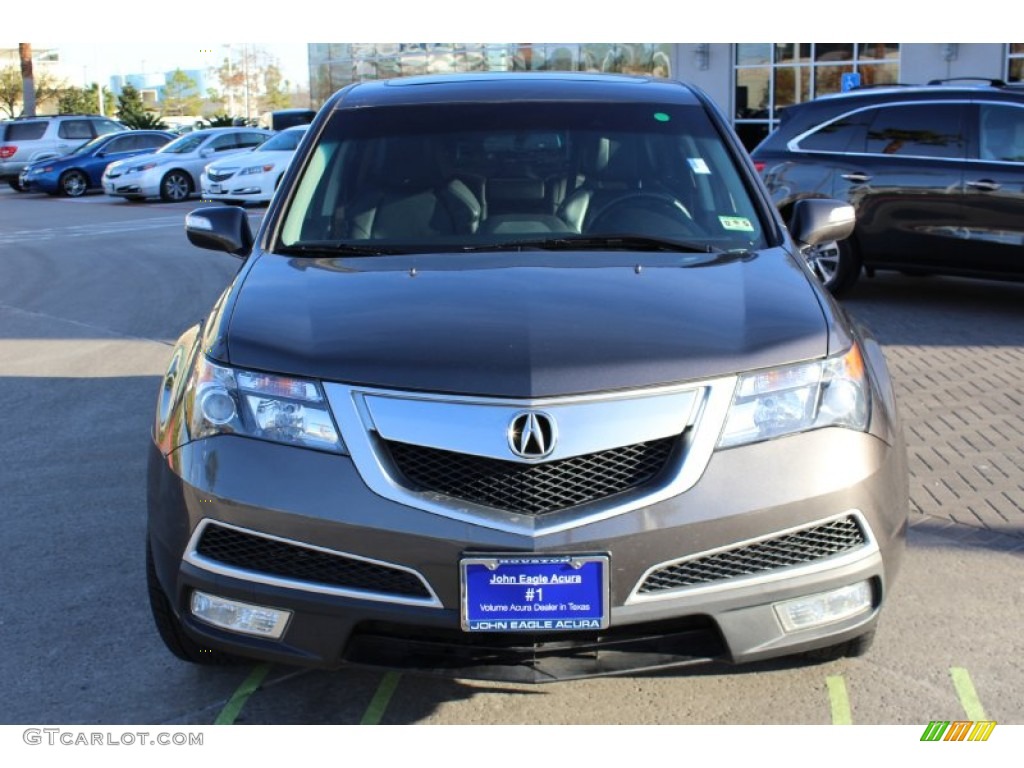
(170, 628)
(175, 187)
(836, 263)
(74, 184)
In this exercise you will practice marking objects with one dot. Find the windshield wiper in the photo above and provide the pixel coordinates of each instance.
(594, 243)
(328, 248)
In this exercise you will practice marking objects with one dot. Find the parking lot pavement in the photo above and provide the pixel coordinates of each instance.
(956, 351)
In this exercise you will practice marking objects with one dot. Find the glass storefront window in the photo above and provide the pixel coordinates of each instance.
(753, 53)
(878, 51)
(828, 79)
(879, 74)
(753, 93)
(1015, 63)
(832, 52)
(792, 86)
(335, 65)
(771, 77)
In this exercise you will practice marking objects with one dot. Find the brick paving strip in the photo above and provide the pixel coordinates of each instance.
(956, 353)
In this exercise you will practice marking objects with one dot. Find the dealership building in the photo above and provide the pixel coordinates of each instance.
(751, 82)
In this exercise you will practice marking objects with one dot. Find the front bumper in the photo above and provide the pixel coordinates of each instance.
(133, 185)
(318, 501)
(248, 188)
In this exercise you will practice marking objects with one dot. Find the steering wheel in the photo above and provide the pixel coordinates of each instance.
(651, 209)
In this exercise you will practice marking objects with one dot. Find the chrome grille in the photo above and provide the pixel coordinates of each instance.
(532, 489)
(219, 175)
(796, 548)
(291, 561)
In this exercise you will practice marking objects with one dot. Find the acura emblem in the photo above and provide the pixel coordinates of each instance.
(531, 435)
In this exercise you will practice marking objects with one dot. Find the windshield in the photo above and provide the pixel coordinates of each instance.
(286, 141)
(469, 176)
(190, 142)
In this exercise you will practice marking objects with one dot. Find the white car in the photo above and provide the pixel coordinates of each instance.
(172, 173)
(252, 177)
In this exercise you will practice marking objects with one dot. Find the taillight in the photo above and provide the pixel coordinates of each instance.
(759, 166)
(7, 151)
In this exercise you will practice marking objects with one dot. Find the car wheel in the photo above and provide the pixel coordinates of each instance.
(175, 187)
(836, 263)
(17, 185)
(170, 628)
(74, 184)
(858, 646)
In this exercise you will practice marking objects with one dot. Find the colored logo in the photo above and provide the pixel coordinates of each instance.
(958, 730)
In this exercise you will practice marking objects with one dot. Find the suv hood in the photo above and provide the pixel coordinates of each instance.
(523, 325)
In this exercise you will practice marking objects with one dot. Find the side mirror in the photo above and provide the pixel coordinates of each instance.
(205, 152)
(821, 221)
(220, 229)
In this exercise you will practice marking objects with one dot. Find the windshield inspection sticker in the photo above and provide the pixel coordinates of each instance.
(697, 165)
(737, 223)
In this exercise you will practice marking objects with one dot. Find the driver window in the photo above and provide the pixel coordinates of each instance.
(1002, 133)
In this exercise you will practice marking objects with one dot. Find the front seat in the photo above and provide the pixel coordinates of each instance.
(610, 169)
(409, 199)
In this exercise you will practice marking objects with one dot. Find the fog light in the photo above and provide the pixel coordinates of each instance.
(240, 617)
(825, 608)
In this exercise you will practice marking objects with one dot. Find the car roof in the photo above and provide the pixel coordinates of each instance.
(888, 93)
(513, 86)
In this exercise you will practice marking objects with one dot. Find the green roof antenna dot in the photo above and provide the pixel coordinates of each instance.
(661, 117)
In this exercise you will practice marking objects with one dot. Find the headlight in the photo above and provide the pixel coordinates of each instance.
(140, 168)
(254, 169)
(283, 409)
(781, 401)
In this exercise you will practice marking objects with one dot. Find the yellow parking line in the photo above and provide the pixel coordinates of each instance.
(839, 701)
(249, 686)
(968, 696)
(375, 712)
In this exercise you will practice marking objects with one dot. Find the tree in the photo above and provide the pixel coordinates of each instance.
(10, 90)
(28, 88)
(146, 121)
(251, 80)
(84, 100)
(214, 102)
(47, 89)
(181, 95)
(275, 90)
(129, 104)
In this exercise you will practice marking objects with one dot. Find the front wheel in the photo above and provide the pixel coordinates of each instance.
(836, 263)
(175, 187)
(170, 628)
(74, 184)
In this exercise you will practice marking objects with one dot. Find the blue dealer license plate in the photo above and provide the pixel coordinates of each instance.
(534, 594)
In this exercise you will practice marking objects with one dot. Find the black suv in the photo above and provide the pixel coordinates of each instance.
(936, 173)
